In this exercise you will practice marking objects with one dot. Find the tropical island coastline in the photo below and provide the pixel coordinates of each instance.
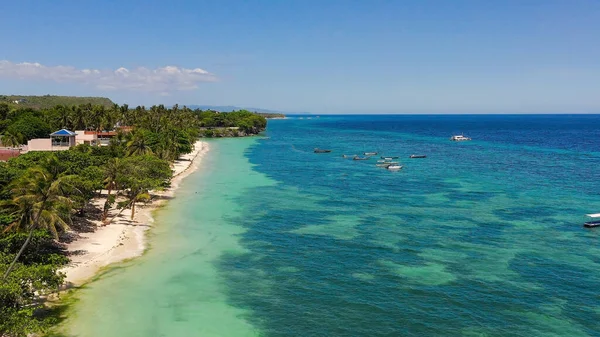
(124, 238)
(78, 199)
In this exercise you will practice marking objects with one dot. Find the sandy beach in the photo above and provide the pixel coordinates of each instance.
(123, 238)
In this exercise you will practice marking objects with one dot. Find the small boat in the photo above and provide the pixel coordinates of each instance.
(592, 223)
(360, 158)
(418, 156)
(370, 153)
(394, 167)
(317, 150)
(386, 164)
(349, 156)
(390, 157)
(459, 138)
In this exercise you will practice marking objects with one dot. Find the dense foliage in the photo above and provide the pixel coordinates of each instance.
(47, 101)
(179, 125)
(42, 193)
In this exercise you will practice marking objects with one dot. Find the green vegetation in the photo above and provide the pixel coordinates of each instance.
(230, 124)
(48, 101)
(268, 115)
(46, 195)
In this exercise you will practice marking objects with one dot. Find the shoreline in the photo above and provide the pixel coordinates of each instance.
(124, 238)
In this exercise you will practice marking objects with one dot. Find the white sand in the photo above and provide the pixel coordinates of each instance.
(123, 238)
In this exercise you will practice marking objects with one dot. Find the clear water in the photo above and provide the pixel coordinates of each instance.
(481, 238)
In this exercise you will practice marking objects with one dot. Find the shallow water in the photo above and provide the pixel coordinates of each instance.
(481, 238)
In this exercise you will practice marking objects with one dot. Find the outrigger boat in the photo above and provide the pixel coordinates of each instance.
(317, 150)
(592, 223)
(360, 158)
(418, 156)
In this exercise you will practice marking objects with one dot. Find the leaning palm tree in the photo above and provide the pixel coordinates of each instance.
(11, 139)
(112, 173)
(39, 202)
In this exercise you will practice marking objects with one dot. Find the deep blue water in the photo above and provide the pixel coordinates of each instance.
(481, 238)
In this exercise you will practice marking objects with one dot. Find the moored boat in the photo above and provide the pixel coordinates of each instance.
(386, 164)
(394, 167)
(592, 223)
(360, 158)
(370, 153)
(348, 156)
(459, 138)
(418, 156)
(389, 157)
(317, 150)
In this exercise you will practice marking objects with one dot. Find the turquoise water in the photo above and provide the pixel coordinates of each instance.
(481, 238)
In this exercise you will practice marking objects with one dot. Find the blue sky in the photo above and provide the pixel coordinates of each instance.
(320, 56)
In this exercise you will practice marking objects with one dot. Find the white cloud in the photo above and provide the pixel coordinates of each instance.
(160, 80)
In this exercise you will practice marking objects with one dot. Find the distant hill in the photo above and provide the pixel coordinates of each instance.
(229, 108)
(48, 101)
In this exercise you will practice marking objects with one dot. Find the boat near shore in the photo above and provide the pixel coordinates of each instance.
(317, 150)
(348, 156)
(361, 158)
(413, 156)
(595, 222)
(370, 153)
(394, 167)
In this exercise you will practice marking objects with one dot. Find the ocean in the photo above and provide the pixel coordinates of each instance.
(267, 238)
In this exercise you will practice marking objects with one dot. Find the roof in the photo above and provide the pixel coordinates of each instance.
(597, 215)
(63, 132)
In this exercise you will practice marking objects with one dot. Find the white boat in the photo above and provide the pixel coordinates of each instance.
(370, 153)
(386, 164)
(595, 222)
(459, 138)
(394, 167)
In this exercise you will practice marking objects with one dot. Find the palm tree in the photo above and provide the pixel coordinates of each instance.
(137, 195)
(11, 139)
(112, 172)
(38, 202)
(63, 117)
(77, 117)
(139, 145)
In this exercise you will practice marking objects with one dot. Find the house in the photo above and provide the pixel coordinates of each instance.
(64, 139)
(101, 137)
(60, 140)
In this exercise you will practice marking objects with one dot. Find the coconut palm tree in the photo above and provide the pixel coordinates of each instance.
(137, 195)
(39, 202)
(112, 172)
(139, 144)
(63, 117)
(11, 139)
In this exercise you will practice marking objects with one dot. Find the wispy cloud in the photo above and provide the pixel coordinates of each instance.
(160, 80)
